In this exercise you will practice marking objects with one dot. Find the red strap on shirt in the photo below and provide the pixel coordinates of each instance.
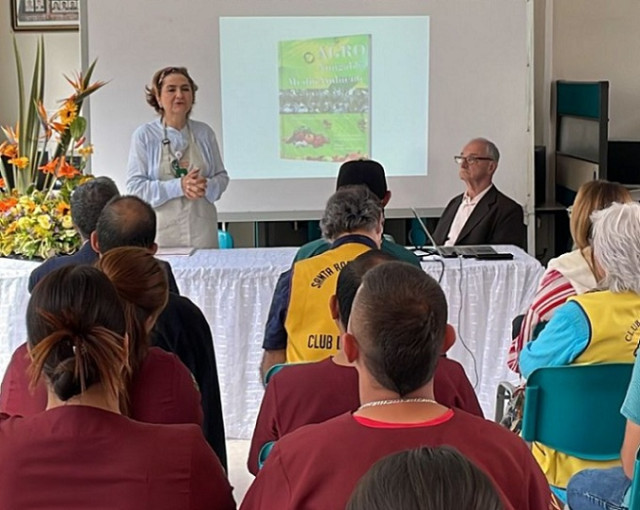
(376, 424)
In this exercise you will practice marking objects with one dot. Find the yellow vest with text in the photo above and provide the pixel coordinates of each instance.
(614, 320)
(312, 335)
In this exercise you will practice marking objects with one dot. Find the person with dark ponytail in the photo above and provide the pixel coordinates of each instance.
(158, 387)
(81, 452)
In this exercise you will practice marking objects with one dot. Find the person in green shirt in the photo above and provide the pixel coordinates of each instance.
(371, 174)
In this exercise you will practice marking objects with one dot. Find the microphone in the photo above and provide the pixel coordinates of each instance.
(166, 141)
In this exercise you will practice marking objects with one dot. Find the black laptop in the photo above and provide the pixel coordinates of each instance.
(470, 251)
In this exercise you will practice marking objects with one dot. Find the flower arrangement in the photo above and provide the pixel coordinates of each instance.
(35, 218)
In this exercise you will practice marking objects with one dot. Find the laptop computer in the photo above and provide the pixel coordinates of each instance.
(470, 251)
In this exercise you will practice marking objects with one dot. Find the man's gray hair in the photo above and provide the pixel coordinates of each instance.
(492, 149)
(616, 246)
(350, 209)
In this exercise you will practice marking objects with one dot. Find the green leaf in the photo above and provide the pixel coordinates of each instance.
(78, 127)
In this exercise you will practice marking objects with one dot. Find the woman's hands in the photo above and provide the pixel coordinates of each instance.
(193, 185)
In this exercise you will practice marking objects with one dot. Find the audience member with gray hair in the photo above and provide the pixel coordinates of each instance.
(87, 202)
(595, 327)
(300, 326)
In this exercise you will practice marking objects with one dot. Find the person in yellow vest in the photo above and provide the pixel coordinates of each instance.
(596, 327)
(299, 325)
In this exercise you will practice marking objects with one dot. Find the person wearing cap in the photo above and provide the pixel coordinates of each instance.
(480, 215)
(300, 326)
(370, 174)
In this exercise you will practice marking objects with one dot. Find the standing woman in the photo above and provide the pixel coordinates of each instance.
(175, 164)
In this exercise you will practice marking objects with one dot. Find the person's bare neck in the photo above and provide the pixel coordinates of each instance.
(94, 396)
(175, 121)
(419, 409)
(341, 359)
(474, 189)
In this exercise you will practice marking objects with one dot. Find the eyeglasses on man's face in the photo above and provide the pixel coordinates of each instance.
(470, 160)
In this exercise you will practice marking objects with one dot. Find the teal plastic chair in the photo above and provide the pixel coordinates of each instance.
(225, 240)
(576, 410)
(264, 453)
(273, 371)
(277, 367)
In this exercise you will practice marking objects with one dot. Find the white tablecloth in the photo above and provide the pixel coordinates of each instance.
(233, 288)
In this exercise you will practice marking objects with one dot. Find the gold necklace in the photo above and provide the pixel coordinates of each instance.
(415, 400)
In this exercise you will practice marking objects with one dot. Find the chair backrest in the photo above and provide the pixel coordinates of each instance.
(634, 499)
(576, 409)
(225, 240)
(273, 371)
(264, 453)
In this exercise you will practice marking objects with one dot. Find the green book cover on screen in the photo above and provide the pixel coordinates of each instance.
(325, 100)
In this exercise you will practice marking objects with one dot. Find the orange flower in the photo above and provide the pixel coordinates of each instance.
(68, 112)
(58, 127)
(66, 170)
(50, 167)
(21, 162)
(63, 208)
(11, 134)
(9, 150)
(7, 203)
(2, 183)
(42, 114)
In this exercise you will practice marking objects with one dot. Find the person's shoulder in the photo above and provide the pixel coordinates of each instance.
(182, 303)
(450, 365)
(143, 131)
(159, 358)
(492, 433)
(51, 265)
(311, 249)
(314, 432)
(399, 252)
(199, 127)
(504, 199)
(295, 376)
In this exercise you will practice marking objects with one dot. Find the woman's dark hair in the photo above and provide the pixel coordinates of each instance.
(425, 479)
(75, 330)
(141, 283)
(153, 91)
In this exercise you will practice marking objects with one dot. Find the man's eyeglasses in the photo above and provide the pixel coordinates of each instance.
(470, 160)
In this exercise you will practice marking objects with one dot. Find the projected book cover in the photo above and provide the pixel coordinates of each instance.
(325, 102)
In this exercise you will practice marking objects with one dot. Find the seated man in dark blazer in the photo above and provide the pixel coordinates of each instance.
(87, 202)
(481, 215)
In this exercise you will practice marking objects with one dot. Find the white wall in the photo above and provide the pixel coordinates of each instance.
(590, 40)
(600, 40)
(62, 52)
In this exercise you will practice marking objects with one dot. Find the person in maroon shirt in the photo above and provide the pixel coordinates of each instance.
(160, 389)
(437, 478)
(394, 340)
(315, 392)
(81, 452)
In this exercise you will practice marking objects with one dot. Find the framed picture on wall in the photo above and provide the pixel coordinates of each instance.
(43, 15)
